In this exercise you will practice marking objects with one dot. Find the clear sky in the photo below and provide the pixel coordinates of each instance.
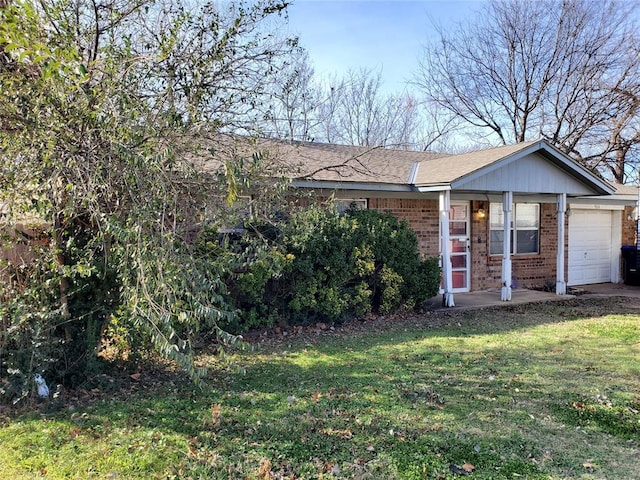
(378, 34)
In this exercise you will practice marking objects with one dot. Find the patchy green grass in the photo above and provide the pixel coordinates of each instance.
(546, 391)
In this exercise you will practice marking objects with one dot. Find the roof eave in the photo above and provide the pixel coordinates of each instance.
(553, 154)
(437, 187)
(596, 182)
(342, 185)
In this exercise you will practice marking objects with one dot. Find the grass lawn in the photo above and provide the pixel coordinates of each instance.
(544, 391)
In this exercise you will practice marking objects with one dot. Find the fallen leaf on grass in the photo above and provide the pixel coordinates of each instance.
(215, 414)
(345, 434)
(464, 469)
(589, 467)
(264, 472)
(136, 376)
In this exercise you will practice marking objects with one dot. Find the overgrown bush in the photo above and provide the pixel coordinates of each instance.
(322, 266)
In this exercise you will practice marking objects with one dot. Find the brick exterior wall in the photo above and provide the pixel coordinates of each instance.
(629, 230)
(528, 271)
(486, 270)
(422, 216)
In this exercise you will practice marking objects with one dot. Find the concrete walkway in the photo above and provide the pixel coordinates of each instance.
(490, 298)
(607, 290)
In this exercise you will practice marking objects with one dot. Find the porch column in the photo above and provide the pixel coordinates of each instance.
(561, 284)
(507, 201)
(447, 279)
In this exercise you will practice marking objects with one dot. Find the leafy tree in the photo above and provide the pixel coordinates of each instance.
(565, 70)
(107, 111)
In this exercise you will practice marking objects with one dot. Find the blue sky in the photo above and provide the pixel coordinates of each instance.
(378, 34)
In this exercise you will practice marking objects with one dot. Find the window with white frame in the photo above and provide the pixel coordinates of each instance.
(344, 204)
(524, 228)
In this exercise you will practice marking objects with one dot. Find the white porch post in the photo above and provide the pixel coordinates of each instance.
(561, 284)
(447, 279)
(507, 201)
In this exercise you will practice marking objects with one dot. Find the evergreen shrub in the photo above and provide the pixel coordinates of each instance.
(327, 267)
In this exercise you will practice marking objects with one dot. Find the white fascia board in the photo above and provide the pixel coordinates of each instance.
(623, 200)
(434, 188)
(376, 187)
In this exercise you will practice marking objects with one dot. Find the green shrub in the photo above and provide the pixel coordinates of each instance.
(321, 266)
(390, 285)
(39, 336)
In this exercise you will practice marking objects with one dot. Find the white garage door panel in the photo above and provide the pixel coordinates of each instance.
(589, 247)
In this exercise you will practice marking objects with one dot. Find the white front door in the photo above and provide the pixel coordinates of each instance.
(459, 247)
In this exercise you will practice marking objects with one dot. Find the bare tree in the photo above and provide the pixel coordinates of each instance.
(365, 116)
(295, 100)
(565, 70)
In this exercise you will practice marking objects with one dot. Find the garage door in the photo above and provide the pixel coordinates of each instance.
(590, 247)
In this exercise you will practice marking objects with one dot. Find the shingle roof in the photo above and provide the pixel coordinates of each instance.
(329, 162)
(449, 168)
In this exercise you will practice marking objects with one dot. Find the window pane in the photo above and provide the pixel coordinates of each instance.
(458, 212)
(458, 261)
(496, 242)
(525, 223)
(527, 216)
(344, 204)
(496, 216)
(458, 228)
(527, 241)
(458, 246)
(459, 279)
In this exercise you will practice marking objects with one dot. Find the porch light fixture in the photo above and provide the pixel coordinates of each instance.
(481, 213)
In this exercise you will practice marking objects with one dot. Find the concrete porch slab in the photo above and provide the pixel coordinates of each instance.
(491, 298)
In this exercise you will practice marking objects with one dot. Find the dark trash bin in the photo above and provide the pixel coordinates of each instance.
(630, 266)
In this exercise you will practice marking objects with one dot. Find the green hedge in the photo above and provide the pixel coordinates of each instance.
(322, 266)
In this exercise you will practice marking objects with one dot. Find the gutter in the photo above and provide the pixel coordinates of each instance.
(377, 187)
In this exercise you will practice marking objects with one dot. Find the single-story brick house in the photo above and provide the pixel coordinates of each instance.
(520, 215)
